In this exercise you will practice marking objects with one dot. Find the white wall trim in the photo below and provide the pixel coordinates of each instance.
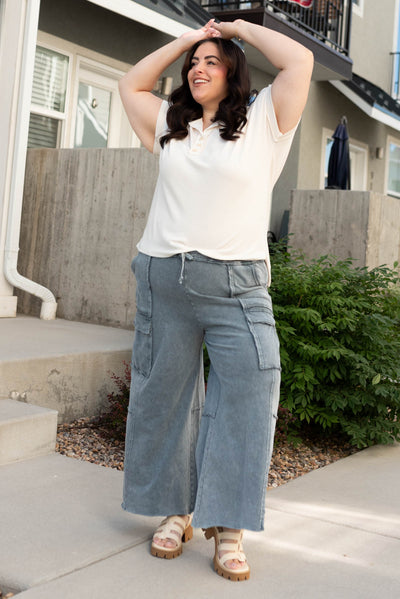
(326, 133)
(371, 111)
(24, 76)
(146, 16)
(11, 35)
(53, 114)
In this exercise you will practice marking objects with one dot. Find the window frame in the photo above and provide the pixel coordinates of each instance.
(396, 141)
(55, 114)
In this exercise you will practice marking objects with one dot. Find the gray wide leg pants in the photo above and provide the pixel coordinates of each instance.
(187, 451)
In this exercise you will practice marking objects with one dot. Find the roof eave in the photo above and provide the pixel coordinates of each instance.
(145, 16)
(370, 108)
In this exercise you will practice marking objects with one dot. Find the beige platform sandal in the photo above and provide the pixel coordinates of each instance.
(175, 528)
(233, 544)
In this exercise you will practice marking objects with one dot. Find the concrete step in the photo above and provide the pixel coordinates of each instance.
(26, 431)
(61, 365)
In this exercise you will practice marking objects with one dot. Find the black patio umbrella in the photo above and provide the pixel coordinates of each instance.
(339, 158)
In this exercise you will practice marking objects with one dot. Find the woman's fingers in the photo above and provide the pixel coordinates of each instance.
(227, 29)
(209, 24)
(208, 31)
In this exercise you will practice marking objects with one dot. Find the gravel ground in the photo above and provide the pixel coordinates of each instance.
(88, 439)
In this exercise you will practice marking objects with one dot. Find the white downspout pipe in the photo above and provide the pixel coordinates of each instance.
(49, 304)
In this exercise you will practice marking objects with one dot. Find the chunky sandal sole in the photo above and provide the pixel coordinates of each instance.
(171, 553)
(220, 568)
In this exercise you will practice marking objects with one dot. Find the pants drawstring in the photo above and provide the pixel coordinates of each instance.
(183, 258)
(182, 269)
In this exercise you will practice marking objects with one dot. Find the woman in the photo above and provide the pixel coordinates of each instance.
(202, 273)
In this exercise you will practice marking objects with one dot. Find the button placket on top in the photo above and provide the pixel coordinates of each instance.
(197, 137)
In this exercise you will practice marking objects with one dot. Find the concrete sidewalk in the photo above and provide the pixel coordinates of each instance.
(332, 534)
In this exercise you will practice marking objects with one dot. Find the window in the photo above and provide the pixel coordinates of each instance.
(396, 60)
(44, 132)
(48, 98)
(393, 178)
(358, 7)
(75, 100)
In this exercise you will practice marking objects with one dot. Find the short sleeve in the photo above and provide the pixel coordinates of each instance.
(276, 144)
(161, 126)
(266, 97)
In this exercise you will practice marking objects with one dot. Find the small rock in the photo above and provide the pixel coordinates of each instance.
(91, 440)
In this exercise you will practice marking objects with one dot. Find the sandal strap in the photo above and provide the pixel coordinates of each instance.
(231, 542)
(168, 528)
(233, 537)
(231, 556)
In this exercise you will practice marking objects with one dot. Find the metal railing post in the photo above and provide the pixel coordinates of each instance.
(348, 25)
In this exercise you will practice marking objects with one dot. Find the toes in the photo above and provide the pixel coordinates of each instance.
(235, 564)
(168, 543)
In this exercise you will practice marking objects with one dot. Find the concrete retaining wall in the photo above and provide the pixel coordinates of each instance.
(84, 212)
(348, 224)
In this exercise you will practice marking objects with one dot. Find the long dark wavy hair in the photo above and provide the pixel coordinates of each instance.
(231, 113)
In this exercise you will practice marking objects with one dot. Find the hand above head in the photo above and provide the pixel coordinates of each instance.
(208, 31)
(228, 29)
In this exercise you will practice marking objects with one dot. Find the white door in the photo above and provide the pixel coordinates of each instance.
(99, 118)
(358, 168)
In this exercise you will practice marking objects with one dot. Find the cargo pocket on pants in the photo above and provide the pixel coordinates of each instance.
(261, 323)
(142, 345)
(142, 355)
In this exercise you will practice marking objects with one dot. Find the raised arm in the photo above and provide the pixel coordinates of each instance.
(141, 106)
(294, 61)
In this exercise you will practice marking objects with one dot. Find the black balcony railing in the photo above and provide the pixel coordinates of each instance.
(327, 20)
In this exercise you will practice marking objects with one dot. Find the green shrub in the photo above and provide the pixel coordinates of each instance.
(339, 329)
(206, 362)
(285, 431)
(115, 417)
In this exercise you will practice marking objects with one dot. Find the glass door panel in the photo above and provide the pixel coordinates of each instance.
(92, 116)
